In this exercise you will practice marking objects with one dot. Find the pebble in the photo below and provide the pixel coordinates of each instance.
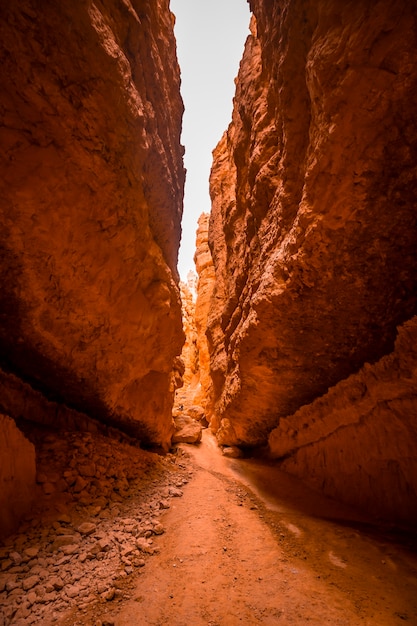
(87, 528)
(30, 582)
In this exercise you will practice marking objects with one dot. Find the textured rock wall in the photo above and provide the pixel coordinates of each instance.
(313, 225)
(205, 285)
(189, 352)
(17, 474)
(91, 201)
(358, 442)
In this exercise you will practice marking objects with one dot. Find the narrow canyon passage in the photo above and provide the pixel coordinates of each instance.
(297, 342)
(286, 556)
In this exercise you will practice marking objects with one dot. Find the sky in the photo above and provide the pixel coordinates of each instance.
(210, 40)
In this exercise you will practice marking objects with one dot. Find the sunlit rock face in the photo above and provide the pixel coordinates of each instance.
(17, 474)
(91, 201)
(358, 442)
(205, 284)
(313, 227)
(189, 352)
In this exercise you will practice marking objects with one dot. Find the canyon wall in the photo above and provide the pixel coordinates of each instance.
(313, 223)
(189, 354)
(358, 442)
(91, 202)
(17, 474)
(205, 285)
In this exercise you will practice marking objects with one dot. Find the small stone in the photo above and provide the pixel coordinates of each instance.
(73, 591)
(80, 484)
(158, 529)
(71, 549)
(232, 452)
(88, 469)
(16, 558)
(87, 528)
(164, 504)
(127, 549)
(95, 511)
(5, 564)
(31, 597)
(46, 598)
(48, 488)
(104, 544)
(109, 594)
(13, 584)
(63, 540)
(101, 587)
(57, 583)
(31, 553)
(29, 583)
(175, 493)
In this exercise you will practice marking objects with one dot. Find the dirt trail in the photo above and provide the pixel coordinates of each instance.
(248, 545)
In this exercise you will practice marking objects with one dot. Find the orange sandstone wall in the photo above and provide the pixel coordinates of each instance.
(90, 203)
(313, 223)
(17, 474)
(358, 442)
(189, 353)
(205, 284)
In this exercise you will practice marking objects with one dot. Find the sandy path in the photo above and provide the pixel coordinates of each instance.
(228, 559)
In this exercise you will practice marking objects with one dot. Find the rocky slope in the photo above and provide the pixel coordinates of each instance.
(91, 201)
(313, 223)
(96, 524)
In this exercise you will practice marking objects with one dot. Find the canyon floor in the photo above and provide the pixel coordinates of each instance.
(199, 539)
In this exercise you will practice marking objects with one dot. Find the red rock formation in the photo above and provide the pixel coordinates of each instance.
(313, 226)
(189, 352)
(91, 202)
(358, 441)
(17, 474)
(205, 285)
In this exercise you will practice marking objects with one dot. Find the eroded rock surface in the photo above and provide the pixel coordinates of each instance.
(91, 202)
(313, 225)
(205, 285)
(358, 441)
(17, 474)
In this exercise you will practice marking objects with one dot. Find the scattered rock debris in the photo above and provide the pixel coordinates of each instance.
(95, 525)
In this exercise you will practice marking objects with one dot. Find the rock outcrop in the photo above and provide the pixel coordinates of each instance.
(358, 442)
(205, 285)
(17, 474)
(189, 352)
(313, 223)
(91, 202)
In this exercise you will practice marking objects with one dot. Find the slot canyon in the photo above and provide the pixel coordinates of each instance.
(240, 448)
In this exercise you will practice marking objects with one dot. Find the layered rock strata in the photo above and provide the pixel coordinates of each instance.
(358, 442)
(313, 223)
(91, 201)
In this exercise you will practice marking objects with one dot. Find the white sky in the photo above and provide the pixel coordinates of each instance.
(210, 39)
